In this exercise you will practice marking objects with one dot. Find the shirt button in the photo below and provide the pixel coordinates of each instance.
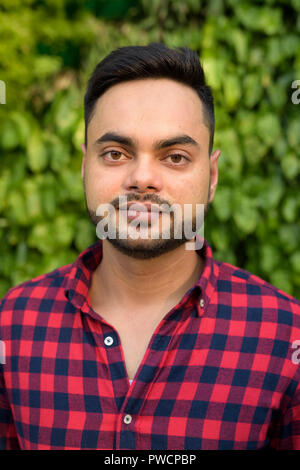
(127, 419)
(108, 341)
(202, 303)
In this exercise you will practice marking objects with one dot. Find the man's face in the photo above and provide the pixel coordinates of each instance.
(147, 112)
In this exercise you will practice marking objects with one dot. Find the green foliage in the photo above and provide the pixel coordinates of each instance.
(250, 53)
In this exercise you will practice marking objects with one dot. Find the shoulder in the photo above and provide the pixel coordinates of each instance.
(44, 288)
(260, 292)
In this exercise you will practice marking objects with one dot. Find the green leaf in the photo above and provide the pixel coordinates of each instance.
(18, 170)
(72, 183)
(290, 209)
(46, 65)
(252, 89)
(289, 237)
(78, 137)
(231, 150)
(271, 193)
(221, 237)
(269, 257)
(227, 256)
(268, 128)
(4, 286)
(277, 95)
(67, 112)
(85, 234)
(59, 153)
(22, 122)
(274, 50)
(232, 86)
(246, 122)
(48, 200)
(61, 258)
(240, 41)
(21, 254)
(245, 214)
(295, 260)
(17, 208)
(290, 165)
(214, 70)
(63, 229)
(33, 199)
(222, 203)
(36, 152)
(4, 185)
(42, 237)
(293, 134)
(259, 18)
(254, 149)
(282, 280)
(9, 138)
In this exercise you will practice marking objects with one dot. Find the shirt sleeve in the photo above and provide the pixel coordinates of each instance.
(288, 433)
(8, 432)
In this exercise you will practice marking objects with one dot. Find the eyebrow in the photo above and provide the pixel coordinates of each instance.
(160, 144)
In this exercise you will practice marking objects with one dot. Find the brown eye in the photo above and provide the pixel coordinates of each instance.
(114, 153)
(177, 156)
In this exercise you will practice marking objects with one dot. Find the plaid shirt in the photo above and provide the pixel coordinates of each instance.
(218, 372)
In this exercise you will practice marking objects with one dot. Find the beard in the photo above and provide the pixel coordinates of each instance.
(148, 247)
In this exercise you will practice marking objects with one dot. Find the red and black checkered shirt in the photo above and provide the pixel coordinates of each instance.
(220, 372)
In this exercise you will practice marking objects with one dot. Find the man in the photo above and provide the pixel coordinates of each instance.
(207, 346)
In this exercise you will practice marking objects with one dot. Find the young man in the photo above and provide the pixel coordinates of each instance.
(207, 346)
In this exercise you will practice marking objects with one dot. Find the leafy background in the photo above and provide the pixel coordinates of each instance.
(251, 55)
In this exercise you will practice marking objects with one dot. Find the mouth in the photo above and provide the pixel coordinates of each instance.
(144, 212)
(144, 215)
(140, 208)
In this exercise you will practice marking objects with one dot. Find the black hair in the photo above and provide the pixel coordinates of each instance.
(155, 60)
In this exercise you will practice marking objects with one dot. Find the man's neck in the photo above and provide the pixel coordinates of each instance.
(136, 284)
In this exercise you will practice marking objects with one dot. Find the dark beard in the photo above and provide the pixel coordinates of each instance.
(151, 248)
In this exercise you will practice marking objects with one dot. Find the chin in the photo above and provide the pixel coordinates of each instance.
(145, 249)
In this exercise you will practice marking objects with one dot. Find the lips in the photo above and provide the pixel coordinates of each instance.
(140, 207)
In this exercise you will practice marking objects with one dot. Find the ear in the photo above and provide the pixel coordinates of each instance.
(83, 148)
(213, 173)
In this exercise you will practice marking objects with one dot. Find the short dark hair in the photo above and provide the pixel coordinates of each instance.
(155, 60)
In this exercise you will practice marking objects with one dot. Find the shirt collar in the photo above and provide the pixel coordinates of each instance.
(78, 279)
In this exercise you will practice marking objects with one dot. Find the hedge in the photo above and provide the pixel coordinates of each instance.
(251, 55)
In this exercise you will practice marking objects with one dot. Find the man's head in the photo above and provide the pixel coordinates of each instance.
(145, 106)
(153, 61)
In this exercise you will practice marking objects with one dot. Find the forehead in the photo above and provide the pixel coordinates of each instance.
(149, 103)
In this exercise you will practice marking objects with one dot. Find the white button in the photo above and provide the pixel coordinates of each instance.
(108, 341)
(127, 419)
(202, 303)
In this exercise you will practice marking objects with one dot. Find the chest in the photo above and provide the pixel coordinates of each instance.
(135, 329)
(135, 337)
(185, 397)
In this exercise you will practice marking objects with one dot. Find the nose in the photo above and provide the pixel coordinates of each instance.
(144, 176)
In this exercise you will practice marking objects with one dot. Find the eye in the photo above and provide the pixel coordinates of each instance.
(176, 155)
(115, 156)
(114, 153)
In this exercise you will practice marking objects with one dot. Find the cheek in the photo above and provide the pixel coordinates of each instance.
(193, 192)
(98, 187)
